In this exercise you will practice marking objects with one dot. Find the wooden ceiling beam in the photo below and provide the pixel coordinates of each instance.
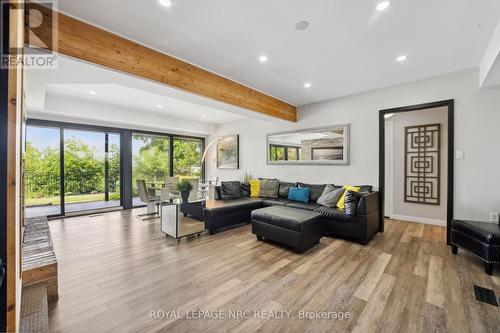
(95, 45)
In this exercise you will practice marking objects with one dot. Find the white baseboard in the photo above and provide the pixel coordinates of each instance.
(418, 220)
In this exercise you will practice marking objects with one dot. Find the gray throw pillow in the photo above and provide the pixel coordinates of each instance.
(331, 195)
(269, 189)
(230, 190)
(316, 190)
(284, 188)
(245, 190)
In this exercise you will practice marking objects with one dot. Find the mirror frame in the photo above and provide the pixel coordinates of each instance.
(345, 161)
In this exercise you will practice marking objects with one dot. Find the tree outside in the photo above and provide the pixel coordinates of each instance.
(187, 158)
(84, 168)
(83, 173)
(151, 159)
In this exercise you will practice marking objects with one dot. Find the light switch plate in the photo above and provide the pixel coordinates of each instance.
(459, 154)
(494, 217)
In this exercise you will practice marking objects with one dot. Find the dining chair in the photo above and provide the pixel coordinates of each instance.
(149, 197)
(194, 195)
(207, 190)
(170, 183)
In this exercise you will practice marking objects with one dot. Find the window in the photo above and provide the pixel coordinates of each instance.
(90, 179)
(74, 168)
(284, 153)
(150, 161)
(91, 170)
(42, 173)
(187, 157)
(273, 154)
(292, 153)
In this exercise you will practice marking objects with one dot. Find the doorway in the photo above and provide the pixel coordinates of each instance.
(420, 184)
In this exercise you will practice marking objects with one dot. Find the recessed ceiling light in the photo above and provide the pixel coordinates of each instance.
(159, 106)
(383, 5)
(203, 115)
(302, 25)
(307, 85)
(263, 58)
(388, 115)
(92, 93)
(401, 58)
(165, 3)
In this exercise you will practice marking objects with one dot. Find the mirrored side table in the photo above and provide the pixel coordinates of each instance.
(182, 219)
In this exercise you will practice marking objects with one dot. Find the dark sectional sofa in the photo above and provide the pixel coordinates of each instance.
(361, 226)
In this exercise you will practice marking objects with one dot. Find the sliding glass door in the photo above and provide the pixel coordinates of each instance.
(150, 161)
(73, 168)
(91, 170)
(42, 173)
(70, 170)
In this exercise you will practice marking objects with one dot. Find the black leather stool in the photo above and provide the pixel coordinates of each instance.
(298, 228)
(478, 238)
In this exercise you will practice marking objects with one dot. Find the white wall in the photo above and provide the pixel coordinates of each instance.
(414, 211)
(477, 133)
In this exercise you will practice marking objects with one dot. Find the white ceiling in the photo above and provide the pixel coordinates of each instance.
(143, 100)
(348, 48)
(75, 80)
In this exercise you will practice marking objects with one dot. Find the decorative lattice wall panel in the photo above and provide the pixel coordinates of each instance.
(423, 164)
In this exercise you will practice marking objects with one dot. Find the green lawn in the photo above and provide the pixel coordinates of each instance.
(56, 200)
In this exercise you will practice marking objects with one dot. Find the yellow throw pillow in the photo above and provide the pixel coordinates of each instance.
(254, 188)
(346, 188)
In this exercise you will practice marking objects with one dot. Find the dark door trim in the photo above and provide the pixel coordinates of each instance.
(451, 151)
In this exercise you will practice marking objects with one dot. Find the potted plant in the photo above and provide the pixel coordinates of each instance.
(185, 187)
(245, 185)
(247, 178)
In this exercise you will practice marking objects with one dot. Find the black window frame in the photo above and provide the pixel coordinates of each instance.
(126, 135)
(313, 149)
(285, 152)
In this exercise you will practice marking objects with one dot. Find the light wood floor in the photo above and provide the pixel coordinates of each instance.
(114, 269)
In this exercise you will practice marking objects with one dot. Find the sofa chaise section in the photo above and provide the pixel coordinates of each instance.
(362, 226)
(225, 213)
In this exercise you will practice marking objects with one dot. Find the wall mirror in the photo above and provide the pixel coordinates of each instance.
(325, 145)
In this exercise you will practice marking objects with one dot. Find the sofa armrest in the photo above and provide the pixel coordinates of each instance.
(368, 216)
(367, 204)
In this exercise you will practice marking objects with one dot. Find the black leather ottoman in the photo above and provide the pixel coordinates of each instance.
(298, 228)
(479, 238)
